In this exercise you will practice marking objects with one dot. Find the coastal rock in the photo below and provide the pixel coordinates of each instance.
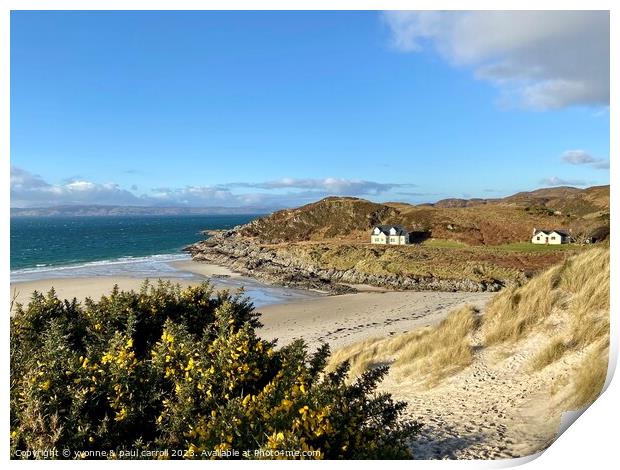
(276, 265)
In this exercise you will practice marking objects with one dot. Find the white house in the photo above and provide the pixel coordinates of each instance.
(550, 237)
(389, 235)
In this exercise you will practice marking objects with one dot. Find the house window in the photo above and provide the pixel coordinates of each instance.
(553, 238)
(538, 238)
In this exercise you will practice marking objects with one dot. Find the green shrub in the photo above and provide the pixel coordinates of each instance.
(183, 371)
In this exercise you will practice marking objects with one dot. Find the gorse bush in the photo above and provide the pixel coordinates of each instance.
(183, 371)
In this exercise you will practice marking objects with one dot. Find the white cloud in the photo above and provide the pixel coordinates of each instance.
(191, 196)
(544, 59)
(556, 181)
(577, 157)
(29, 190)
(601, 165)
(581, 157)
(336, 186)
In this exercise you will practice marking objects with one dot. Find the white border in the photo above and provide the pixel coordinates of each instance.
(590, 443)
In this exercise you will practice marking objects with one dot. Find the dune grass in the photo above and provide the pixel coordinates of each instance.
(549, 354)
(588, 378)
(429, 354)
(579, 286)
(513, 313)
(584, 288)
(574, 293)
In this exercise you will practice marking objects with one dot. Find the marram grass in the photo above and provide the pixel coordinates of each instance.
(574, 293)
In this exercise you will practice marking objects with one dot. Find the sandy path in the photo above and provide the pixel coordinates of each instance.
(495, 409)
(345, 319)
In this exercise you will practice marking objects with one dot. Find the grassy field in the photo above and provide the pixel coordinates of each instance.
(527, 247)
(517, 247)
(442, 243)
(438, 258)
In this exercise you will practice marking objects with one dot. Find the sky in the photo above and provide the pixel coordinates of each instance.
(278, 109)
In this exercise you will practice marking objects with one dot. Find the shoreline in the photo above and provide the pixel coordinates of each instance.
(204, 269)
(95, 286)
(287, 313)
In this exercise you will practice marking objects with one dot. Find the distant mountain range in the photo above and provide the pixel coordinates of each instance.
(94, 210)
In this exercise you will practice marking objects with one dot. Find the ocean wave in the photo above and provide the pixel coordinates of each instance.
(131, 266)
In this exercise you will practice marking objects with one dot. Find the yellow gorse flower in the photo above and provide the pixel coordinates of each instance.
(121, 414)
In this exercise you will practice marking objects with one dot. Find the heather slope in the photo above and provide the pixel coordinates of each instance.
(474, 222)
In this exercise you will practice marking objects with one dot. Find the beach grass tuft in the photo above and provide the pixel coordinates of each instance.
(430, 353)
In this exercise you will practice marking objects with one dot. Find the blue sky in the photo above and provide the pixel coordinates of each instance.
(273, 109)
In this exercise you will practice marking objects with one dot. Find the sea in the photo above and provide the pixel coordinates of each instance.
(124, 246)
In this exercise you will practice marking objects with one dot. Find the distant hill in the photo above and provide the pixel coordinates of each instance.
(564, 198)
(471, 221)
(93, 210)
(573, 201)
(331, 217)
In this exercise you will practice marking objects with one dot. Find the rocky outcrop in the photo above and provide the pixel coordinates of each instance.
(280, 266)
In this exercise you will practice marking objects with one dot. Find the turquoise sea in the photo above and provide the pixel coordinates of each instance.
(40, 242)
(135, 246)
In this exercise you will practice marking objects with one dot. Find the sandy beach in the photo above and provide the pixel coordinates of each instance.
(204, 269)
(338, 320)
(344, 319)
(96, 286)
(81, 288)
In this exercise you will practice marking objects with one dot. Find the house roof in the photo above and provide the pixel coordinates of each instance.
(562, 232)
(400, 230)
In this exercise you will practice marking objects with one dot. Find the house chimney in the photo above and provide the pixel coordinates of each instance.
(534, 231)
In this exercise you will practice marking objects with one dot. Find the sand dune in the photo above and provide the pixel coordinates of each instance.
(534, 353)
(495, 408)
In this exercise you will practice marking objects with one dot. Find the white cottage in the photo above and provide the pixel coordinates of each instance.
(550, 237)
(389, 235)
